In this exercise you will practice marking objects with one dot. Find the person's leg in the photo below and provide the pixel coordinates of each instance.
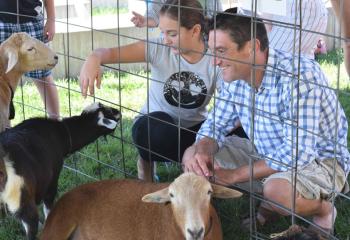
(314, 184)
(145, 170)
(42, 78)
(343, 15)
(280, 191)
(157, 128)
(49, 95)
(160, 129)
(236, 152)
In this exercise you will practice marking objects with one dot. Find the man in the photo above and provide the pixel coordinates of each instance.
(295, 124)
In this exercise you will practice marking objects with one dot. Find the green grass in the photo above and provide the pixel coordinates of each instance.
(129, 92)
(103, 11)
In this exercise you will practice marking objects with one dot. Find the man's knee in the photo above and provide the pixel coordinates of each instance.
(279, 191)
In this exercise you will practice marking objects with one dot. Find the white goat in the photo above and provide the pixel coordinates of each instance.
(20, 53)
(112, 209)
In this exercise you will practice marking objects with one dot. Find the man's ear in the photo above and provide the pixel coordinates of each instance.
(11, 57)
(253, 44)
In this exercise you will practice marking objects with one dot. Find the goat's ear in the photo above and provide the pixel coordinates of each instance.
(161, 196)
(224, 192)
(3, 175)
(12, 58)
(106, 122)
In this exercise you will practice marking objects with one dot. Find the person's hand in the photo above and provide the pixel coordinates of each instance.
(89, 73)
(197, 161)
(49, 30)
(138, 20)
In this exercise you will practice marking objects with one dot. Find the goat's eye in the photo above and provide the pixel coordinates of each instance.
(210, 192)
(171, 195)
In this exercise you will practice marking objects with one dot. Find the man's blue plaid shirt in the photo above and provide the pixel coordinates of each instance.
(298, 119)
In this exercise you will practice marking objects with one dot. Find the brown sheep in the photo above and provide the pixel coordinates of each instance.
(112, 209)
(19, 54)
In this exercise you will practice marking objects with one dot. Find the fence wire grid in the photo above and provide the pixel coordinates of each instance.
(85, 25)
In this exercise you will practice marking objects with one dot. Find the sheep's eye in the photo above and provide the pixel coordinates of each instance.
(30, 49)
(171, 195)
(210, 192)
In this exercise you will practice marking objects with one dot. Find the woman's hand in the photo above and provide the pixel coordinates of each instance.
(138, 20)
(89, 73)
(142, 21)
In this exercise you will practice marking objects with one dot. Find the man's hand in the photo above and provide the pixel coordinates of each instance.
(89, 73)
(197, 163)
(199, 158)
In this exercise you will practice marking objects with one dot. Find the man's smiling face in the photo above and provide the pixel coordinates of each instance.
(235, 64)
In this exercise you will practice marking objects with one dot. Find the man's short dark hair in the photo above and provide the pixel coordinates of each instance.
(240, 27)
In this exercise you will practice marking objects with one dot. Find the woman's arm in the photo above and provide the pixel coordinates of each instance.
(90, 72)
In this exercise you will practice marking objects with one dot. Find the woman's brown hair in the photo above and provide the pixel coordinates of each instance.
(190, 13)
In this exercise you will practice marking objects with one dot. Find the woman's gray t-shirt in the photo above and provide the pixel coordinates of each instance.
(181, 89)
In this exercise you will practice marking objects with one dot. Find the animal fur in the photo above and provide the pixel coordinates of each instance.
(33, 154)
(20, 53)
(296, 232)
(113, 209)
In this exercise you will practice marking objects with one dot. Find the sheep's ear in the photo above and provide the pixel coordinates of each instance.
(106, 122)
(161, 196)
(224, 192)
(12, 58)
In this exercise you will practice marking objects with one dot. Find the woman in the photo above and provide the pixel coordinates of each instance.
(210, 7)
(183, 80)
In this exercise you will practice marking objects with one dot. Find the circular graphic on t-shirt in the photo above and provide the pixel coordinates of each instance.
(185, 89)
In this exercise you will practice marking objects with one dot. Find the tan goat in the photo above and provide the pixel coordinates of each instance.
(112, 209)
(20, 53)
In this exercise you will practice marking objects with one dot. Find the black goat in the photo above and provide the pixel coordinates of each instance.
(32, 158)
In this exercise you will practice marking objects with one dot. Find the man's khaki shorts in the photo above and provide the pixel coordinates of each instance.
(313, 181)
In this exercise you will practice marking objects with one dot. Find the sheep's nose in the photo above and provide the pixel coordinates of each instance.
(195, 234)
(55, 57)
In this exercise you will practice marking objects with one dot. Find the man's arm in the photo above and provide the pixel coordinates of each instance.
(242, 174)
(199, 157)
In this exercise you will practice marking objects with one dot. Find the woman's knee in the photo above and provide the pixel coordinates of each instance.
(156, 134)
(156, 127)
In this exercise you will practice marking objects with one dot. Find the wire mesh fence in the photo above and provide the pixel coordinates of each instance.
(86, 25)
